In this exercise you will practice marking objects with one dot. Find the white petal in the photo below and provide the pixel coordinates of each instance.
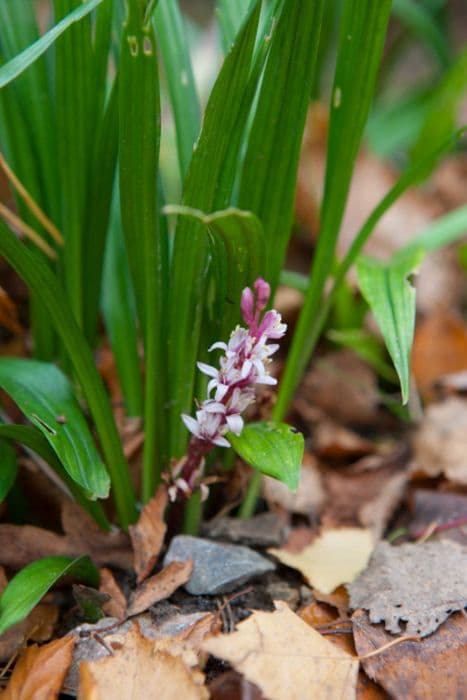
(207, 369)
(191, 424)
(219, 345)
(221, 441)
(266, 379)
(235, 423)
(221, 391)
(246, 369)
(213, 407)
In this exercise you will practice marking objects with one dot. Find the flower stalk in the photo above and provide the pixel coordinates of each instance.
(231, 389)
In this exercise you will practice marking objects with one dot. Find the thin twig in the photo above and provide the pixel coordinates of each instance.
(387, 646)
(32, 205)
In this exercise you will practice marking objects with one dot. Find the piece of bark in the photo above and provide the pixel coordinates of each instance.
(147, 536)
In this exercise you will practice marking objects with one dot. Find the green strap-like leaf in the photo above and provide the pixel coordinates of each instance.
(275, 449)
(391, 297)
(269, 174)
(44, 283)
(190, 257)
(17, 65)
(8, 468)
(29, 585)
(45, 396)
(361, 40)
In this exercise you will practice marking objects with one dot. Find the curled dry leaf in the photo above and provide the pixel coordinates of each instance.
(439, 443)
(148, 534)
(286, 658)
(334, 442)
(40, 671)
(429, 670)
(160, 586)
(140, 669)
(333, 558)
(37, 627)
(116, 606)
(420, 584)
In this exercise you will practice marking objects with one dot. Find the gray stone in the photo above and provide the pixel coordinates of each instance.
(217, 568)
(264, 530)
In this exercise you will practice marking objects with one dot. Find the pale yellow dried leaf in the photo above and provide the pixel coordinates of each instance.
(286, 658)
(139, 669)
(333, 558)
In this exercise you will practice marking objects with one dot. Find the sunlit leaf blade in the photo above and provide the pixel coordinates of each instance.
(17, 65)
(275, 449)
(190, 256)
(8, 468)
(30, 584)
(45, 396)
(270, 167)
(361, 39)
(231, 15)
(44, 283)
(238, 250)
(391, 297)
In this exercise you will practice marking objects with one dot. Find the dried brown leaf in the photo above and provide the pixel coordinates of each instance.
(309, 497)
(440, 508)
(367, 498)
(85, 537)
(432, 359)
(22, 544)
(148, 534)
(116, 607)
(420, 584)
(40, 671)
(286, 658)
(333, 558)
(429, 670)
(160, 586)
(38, 627)
(439, 442)
(334, 442)
(139, 669)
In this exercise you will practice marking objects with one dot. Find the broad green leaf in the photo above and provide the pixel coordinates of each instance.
(391, 297)
(238, 255)
(8, 468)
(145, 237)
(275, 449)
(44, 284)
(26, 589)
(45, 396)
(268, 179)
(190, 260)
(33, 439)
(17, 65)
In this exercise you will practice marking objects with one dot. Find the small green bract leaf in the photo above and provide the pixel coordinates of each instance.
(30, 584)
(275, 449)
(45, 395)
(392, 300)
